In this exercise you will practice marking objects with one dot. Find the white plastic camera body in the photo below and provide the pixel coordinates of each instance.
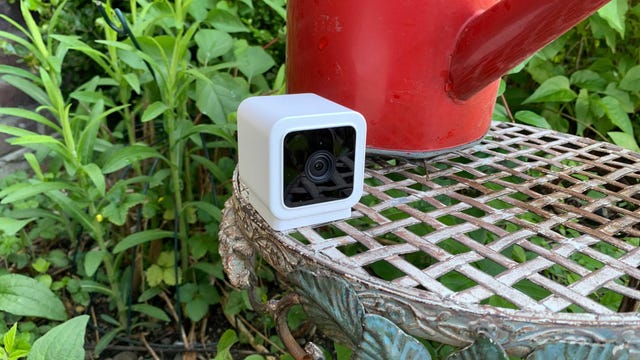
(301, 157)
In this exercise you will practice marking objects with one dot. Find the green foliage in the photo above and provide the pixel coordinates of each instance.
(136, 159)
(586, 82)
(22, 295)
(63, 342)
(14, 346)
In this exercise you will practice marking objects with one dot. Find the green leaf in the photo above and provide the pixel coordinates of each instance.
(92, 261)
(63, 342)
(71, 208)
(127, 156)
(197, 309)
(220, 96)
(151, 311)
(613, 109)
(134, 81)
(9, 338)
(588, 79)
(96, 176)
(29, 88)
(141, 238)
(615, 13)
(21, 191)
(278, 6)
(24, 296)
(9, 226)
(631, 80)
(153, 111)
(19, 72)
(224, 20)
(35, 165)
(227, 340)
(212, 44)
(31, 115)
(253, 60)
(625, 140)
(154, 275)
(531, 118)
(555, 89)
(207, 207)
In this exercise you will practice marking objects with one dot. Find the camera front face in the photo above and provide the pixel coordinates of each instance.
(318, 165)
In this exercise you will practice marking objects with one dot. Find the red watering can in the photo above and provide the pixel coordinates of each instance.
(424, 73)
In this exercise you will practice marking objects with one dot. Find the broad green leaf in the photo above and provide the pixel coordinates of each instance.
(625, 140)
(96, 176)
(555, 89)
(152, 311)
(63, 342)
(615, 13)
(224, 20)
(612, 108)
(153, 111)
(141, 238)
(531, 118)
(29, 88)
(24, 296)
(118, 208)
(92, 261)
(9, 226)
(253, 60)
(588, 79)
(601, 29)
(21, 191)
(212, 44)
(631, 80)
(220, 96)
(197, 309)
(127, 156)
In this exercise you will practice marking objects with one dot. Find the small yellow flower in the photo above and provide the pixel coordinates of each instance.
(99, 218)
(160, 199)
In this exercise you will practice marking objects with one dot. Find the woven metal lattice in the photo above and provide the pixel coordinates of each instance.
(528, 219)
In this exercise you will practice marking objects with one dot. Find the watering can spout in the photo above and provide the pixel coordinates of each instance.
(498, 39)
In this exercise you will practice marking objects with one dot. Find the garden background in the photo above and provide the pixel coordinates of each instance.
(108, 237)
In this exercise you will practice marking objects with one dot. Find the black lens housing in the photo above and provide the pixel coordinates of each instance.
(318, 165)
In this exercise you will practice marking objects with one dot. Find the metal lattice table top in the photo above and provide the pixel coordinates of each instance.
(529, 226)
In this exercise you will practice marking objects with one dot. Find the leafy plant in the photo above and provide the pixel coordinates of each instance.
(586, 82)
(139, 157)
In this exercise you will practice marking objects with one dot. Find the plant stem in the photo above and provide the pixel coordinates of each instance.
(175, 159)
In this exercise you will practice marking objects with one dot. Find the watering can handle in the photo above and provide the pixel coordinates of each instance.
(498, 39)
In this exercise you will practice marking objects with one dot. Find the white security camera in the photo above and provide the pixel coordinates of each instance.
(301, 157)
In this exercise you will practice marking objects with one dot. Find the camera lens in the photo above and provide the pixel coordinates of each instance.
(320, 166)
